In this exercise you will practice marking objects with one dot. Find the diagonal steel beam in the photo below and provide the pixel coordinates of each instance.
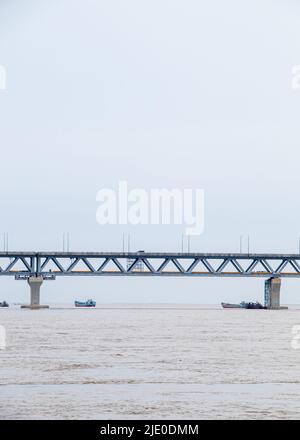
(281, 266)
(222, 266)
(193, 265)
(149, 265)
(88, 264)
(118, 264)
(102, 265)
(208, 265)
(132, 266)
(237, 265)
(178, 265)
(11, 265)
(267, 266)
(57, 263)
(164, 264)
(295, 265)
(45, 262)
(252, 265)
(28, 266)
(72, 265)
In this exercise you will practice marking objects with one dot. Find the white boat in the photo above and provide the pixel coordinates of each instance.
(231, 306)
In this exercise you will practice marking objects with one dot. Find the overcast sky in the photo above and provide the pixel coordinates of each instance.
(175, 94)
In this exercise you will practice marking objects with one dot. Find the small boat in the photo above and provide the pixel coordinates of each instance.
(232, 306)
(243, 305)
(256, 305)
(87, 303)
(4, 304)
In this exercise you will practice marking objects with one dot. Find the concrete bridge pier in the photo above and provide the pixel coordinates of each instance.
(272, 293)
(35, 283)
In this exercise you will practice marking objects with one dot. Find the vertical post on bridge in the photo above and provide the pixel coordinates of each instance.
(35, 283)
(272, 293)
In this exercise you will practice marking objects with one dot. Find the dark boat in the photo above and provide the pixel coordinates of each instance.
(4, 304)
(256, 305)
(88, 303)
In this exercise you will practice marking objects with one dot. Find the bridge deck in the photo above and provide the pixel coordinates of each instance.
(52, 264)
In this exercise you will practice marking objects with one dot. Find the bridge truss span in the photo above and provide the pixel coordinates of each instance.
(54, 264)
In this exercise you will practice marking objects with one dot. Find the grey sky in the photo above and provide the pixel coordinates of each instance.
(172, 94)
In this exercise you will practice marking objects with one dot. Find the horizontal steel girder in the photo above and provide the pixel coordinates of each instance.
(52, 264)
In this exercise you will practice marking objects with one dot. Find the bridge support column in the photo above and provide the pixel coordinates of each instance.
(272, 293)
(35, 283)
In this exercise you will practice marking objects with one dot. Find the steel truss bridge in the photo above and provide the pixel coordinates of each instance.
(49, 265)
